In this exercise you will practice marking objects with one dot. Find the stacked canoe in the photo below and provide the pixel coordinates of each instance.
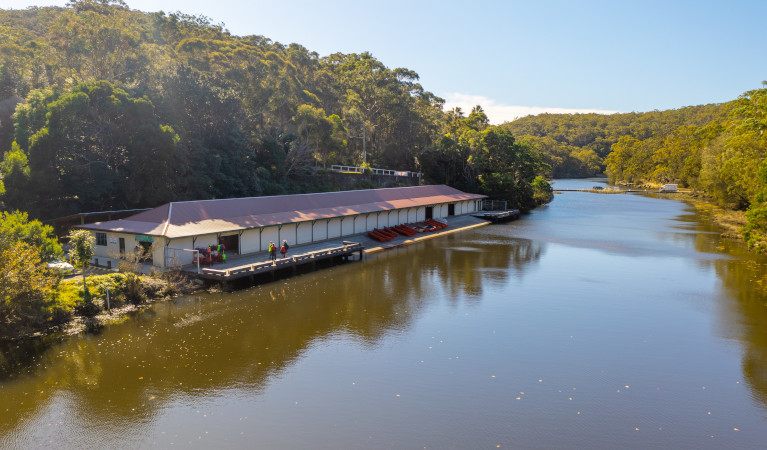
(389, 233)
(382, 235)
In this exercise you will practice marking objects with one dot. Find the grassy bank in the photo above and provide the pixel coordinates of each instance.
(71, 310)
(730, 222)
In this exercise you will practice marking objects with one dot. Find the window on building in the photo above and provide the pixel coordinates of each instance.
(101, 239)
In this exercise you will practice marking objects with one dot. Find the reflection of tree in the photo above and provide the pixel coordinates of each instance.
(744, 301)
(195, 346)
(746, 317)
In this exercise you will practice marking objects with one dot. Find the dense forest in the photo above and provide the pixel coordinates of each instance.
(107, 108)
(576, 145)
(716, 150)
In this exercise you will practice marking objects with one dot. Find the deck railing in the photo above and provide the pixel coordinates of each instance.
(356, 169)
(494, 205)
(267, 266)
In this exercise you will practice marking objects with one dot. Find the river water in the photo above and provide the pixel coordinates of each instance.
(599, 321)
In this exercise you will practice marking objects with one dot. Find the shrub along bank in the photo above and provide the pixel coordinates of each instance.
(70, 308)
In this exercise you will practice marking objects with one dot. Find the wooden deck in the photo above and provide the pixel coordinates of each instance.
(235, 270)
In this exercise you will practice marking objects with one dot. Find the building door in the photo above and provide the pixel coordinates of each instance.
(429, 212)
(451, 209)
(145, 249)
(122, 246)
(231, 243)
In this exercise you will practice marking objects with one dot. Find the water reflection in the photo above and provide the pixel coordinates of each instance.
(743, 309)
(594, 314)
(220, 344)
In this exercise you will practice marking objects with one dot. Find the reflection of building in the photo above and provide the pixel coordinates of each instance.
(247, 225)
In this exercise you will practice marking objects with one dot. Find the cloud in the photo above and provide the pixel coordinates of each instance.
(498, 113)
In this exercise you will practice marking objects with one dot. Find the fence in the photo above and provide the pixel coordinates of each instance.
(494, 205)
(355, 169)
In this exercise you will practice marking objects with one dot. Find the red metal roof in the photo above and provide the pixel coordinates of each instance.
(194, 218)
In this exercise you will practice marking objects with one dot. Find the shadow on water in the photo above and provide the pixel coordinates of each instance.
(205, 345)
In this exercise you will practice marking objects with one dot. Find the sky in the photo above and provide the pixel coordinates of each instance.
(521, 57)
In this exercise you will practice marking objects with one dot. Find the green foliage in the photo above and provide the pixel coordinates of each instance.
(121, 109)
(14, 169)
(82, 246)
(755, 232)
(98, 145)
(16, 227)
(82, 243)
(542, 191)
(123, 288)
(575, 145)
(25, 288)
(477, 157)
(719, 150)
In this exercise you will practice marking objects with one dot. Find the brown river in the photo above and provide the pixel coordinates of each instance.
(599, 321)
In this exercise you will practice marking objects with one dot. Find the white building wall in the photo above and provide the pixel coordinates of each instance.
(250, 241)
(373, 221)
(304, 233)
(205, 240)
(391, 218)
(270, 234)
(158, 252)
(177, 246)
(112, 249)
(347, 226)
(287, 233)
(334, 228)
(103, 251)
(359, 224)
(320, 230)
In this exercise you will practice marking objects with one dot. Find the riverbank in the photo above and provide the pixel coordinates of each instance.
(729, 221)
(69, 312)
(110, 299)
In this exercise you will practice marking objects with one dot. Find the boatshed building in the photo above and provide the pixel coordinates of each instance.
(247, 225)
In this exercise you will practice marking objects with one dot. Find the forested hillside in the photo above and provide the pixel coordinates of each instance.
(576, 145)
(717, 150)
(103, 107)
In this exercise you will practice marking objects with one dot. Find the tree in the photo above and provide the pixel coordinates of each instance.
(82, 242)
(507, 169)
(25, 289)
(542, 191)
(14, 169)
(98, 148)
(16, 227)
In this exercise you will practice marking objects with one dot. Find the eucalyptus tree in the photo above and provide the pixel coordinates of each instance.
(98, 148)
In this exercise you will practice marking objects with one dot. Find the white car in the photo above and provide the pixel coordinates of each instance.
(61, 267)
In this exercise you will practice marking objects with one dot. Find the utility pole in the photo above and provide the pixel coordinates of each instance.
(364, 143)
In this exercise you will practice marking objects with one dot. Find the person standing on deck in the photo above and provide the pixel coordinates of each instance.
(284, 248)
(272, 251)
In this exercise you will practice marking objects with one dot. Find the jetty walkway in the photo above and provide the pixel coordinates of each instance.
(349, 248)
